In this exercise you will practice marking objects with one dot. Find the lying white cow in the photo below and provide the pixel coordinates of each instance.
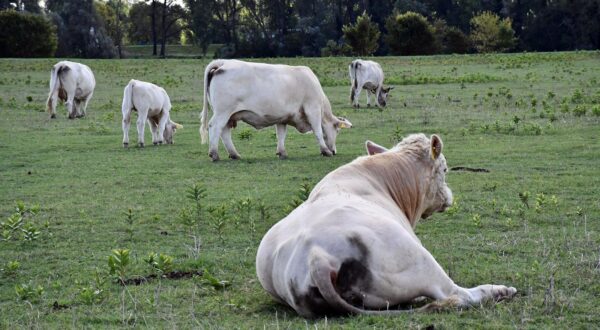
(367, 75)
(151, 103)
(263, 95)
(351, 246)
(72, 83)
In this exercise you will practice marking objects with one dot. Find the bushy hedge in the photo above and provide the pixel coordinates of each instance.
(26, 35)
(410, 34)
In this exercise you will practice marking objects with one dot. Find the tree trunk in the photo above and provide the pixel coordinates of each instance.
(119, 32)
(154, 27)
(163, 40)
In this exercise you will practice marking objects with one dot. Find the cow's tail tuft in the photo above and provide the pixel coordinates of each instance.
(211, 69)
(54, 86)
(324, 276)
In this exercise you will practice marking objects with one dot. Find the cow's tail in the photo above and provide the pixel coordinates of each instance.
(324, 276)
(212, 68)
(352, 68)
(128, 98)
(54, 86)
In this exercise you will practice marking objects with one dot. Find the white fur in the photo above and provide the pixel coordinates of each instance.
(77, 81)
(264, 95)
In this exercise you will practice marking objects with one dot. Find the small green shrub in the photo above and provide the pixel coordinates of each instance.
(118, 262)
(245, 134)
(362, 36)
(29, 292)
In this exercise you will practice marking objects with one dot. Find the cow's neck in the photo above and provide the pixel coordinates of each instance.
(400, 178)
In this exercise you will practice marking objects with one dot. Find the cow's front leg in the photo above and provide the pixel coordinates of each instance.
(154, 130)
(141, 123)
(228, 143)
(85, 104)
(368, 98)
(314, 119)
(162, 123)
(281, 131)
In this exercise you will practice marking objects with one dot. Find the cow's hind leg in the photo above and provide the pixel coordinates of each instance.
(281, 131)
(85, 104)
(215, 127)
(71, 109)
(368, 98)
(141, 123)
(228, 143)
(432, 282)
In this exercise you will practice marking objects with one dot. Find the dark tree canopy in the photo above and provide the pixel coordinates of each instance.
(26, 35)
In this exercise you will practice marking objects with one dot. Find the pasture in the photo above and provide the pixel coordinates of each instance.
(532, 221)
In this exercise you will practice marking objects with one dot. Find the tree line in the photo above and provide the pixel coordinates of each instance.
(266, 28)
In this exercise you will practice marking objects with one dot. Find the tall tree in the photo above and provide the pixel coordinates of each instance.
(363, 36)
(80, 29)
(114, 14)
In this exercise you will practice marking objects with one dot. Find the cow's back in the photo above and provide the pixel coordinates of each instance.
(259, 84)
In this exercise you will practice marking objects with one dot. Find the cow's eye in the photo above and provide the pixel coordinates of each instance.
(445, 169)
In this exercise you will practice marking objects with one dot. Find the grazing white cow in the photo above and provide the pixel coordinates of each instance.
(72, 83)
(351, 246)
(152, 104)
(367, 75)
(263, 95)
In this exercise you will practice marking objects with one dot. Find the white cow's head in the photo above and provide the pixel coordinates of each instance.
(170, 129)
(430, 165)
(331, 128)
(383, 95)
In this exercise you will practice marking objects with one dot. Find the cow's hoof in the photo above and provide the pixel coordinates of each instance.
(326, 153)
(71, 117)
(52, 116)
(282, 155)
(368, 105)
(80, 115)
(214, 156)
(125, 145)
(155, 143)
(160, 142)
(235, 157)
(141, 145)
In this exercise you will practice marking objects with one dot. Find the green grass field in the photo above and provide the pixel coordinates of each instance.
(532, 222)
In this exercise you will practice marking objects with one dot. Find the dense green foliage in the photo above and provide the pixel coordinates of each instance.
(26, 35)
(491, 34)
(363, 36)
(531, 222)
(410, 34)
(256, 28)
(81, 31)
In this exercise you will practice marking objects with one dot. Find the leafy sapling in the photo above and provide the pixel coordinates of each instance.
(118, 262)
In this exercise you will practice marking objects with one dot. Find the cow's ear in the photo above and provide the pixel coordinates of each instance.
(436, 146)
(343, 123)
(373, 148)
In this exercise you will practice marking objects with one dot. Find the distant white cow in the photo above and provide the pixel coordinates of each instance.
(151, 103)
(72, 83)
(351, 246)
(263, 95)
(367, 75)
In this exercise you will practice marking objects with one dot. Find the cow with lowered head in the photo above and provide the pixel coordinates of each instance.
(350, 248)
(264, 95)
(152, 104)
(367, 75)
(72, 83)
